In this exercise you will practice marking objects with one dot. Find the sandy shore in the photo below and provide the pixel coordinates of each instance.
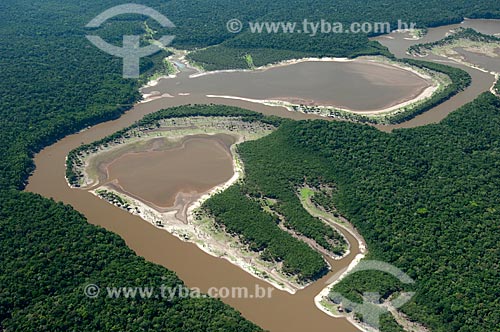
(427, 93)
(493, 89)
(181, 220)
(320, 298)
(424, 94)
(343, 226)
(270, 66)
(295, 105)
(463, 62)
(178, 56)
(192, 231)
(448, 52)
(291, 106)
(322, 301)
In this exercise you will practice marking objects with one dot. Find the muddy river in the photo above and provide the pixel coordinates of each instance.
(283, 311)
(398, 43)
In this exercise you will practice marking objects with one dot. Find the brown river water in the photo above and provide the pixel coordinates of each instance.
(281, 312)
(481, 81)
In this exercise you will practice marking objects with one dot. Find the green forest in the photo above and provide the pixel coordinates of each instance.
(49, 255)
(426, 200)
(243, 216)
(55, 83)
(460, 80)
(266, 48)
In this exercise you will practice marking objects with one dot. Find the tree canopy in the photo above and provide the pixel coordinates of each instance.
(425, 199)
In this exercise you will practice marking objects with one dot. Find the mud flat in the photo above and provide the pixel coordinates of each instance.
(171, 170)
(165, 174)
(424, 86)
(436, 82)
(363, 85)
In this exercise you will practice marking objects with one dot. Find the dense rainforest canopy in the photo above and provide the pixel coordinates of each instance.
(426, 200)
(265, 48)
(50, 254)
(54, 83)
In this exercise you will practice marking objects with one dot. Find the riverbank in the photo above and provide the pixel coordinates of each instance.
(184, 219)
(321, 300)
(453, 46)
(175, 64)
(495, 88)
(430, 83)
(438, 82)
(201, 230)
(203, 72)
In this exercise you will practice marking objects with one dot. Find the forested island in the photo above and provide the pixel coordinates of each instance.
(263, 226)
(151, 123)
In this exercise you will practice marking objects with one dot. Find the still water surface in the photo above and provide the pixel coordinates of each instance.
(357, 85)
(192, 166)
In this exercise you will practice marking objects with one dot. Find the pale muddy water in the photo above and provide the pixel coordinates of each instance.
(398, 44)
(282, 312)
(312, 83)
(486, 62)
(481, 81)
(193, 166)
